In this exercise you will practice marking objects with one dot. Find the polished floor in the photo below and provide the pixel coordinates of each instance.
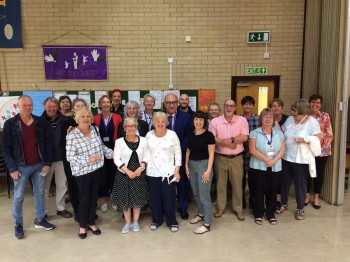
(323, 236)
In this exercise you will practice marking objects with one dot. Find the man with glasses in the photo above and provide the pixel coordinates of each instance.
(180, 123)
(230, 132)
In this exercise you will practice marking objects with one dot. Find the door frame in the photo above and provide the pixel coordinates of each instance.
(237, 79)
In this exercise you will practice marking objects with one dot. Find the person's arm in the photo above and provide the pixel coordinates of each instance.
(178, 157)
(186, 163)
(117, 158)
(255, 152)
(206, 175)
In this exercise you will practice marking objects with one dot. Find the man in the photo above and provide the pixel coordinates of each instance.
(117, 106)
(184, 105)
(180, 123)
(54, 118)
(230, 132)
(27, 153)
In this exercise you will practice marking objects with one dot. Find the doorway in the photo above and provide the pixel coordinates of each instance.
(262, 88)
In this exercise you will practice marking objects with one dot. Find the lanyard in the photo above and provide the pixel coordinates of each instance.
(269, 142)
(105, 126)
(148, 119)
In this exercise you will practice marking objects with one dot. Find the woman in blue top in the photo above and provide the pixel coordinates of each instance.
(266, 146)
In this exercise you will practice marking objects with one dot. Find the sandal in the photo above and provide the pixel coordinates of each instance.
(154, 226)
(196, 219)
(299, 215)
(258, 221)
(273, 221)
(174, 228)
(201, 230)
(281, 209)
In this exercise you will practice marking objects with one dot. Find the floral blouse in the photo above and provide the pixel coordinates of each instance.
(326, 129)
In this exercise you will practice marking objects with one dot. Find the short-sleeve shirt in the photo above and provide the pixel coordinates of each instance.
(198, 145)
(262, 145)
(292, 130)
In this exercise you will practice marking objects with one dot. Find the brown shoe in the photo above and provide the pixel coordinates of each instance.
(239, 215)
(64, 213)
(219, 212)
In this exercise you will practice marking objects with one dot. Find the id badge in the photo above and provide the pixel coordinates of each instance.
(106, 139)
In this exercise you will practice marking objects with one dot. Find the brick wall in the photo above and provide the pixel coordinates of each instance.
(142, 34)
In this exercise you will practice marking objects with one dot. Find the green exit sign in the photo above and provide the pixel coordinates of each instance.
(258, 37)
(256, 70)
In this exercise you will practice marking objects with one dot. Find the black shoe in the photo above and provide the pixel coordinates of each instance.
(97, 232)
(82, 235)
(96, 216)
(316, 206)
(64, 213)
(19, 233)
(184, 215)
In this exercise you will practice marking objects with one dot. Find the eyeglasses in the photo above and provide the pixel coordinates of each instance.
(267, 117)
(229, 106)
(133, 126)
(171, 102)
(315, 102)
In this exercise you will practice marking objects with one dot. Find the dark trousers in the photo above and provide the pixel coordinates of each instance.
(250, 186)
(318, 181)
(107, 178)
(88, 195)
(182, 190)
(265, 183)
(163, 197)
(297, 173)
(72, 188)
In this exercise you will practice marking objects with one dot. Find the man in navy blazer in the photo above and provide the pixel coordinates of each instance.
(180, 123)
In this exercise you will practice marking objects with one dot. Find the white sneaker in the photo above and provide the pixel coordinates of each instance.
(115, 207)
(104, 208)
(136, 227)
(126, 228)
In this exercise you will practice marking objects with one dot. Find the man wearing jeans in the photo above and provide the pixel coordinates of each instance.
(27, 153)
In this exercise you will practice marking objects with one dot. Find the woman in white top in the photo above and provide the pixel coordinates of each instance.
(130, 186)
(163, 171)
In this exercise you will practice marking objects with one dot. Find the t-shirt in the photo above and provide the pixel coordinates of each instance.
(30, 144)
(198, 145)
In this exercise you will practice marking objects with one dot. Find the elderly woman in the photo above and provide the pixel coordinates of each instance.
(133, 109)
(163, 170)
(130, 186)
(108, 124)
(149, 102)
(199, 169)
(266, 146)
(298, 129)
(66, 105)
(326, 147)
(85, 152)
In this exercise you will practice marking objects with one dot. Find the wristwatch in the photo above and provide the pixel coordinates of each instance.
(233, 139)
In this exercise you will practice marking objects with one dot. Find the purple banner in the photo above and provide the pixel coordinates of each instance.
(75, 62)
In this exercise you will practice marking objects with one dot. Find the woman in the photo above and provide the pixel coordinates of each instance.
(66, 105)
(298, 129)
(199, 169)
(266, 146)
(130, 187)
(149, 102)
(108, 124)
(67, 127)
(133, 109)
(163, 170)
(117, 106)
(85, 152)
(326, 147)
(276, 106)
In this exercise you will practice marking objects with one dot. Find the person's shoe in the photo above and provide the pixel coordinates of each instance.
(104, 207)
(184, 215)
(136, 227)
(19, 233)
(82, 235)
(44, 224)
(219, 212)
(115, 207)
(96, 232)
(240, 215)
(126, 228)
(64, 213)
(316, 206)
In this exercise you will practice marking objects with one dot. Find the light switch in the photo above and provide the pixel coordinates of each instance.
(188, 39)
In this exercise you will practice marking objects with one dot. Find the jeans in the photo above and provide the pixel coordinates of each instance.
(20, 188)
(201, 191)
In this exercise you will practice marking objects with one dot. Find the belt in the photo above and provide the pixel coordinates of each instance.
(230, 156)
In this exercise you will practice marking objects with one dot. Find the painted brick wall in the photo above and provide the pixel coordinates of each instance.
(142, 34)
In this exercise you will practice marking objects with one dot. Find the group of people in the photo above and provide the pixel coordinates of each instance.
(138, 158)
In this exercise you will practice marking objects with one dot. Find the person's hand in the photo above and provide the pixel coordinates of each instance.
(187, 172)
(15, 175)
(227, 142)
(270, 162)
(232, 146)
(95, 55)
(177, 175)
(130, 174)
(206, 177)
(49, 58)
(299, 140)
(70, 129)
(138, 171)
(94, 159)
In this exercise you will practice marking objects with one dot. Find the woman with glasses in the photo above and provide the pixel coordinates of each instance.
(133, 109)
(299, 129)
(326, 147)
(130, 188)
(266, 146)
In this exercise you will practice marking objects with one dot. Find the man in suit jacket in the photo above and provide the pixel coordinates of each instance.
(180, 123)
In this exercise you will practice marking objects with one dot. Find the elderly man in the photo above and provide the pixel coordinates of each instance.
(27, 154)
(184, 102)
(180, 123)
(230, 132)
(54, 118)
